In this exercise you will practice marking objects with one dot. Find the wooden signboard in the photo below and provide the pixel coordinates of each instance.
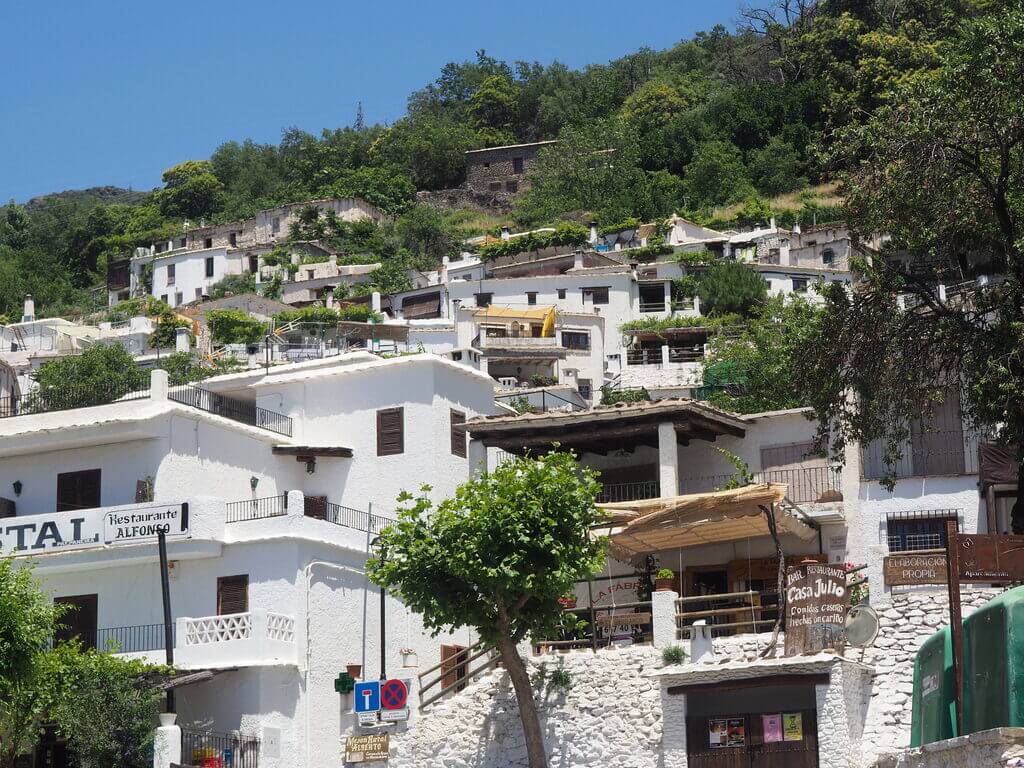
(364, 749)
(817, 601)
(915, 569)
(765, 568)
(624, 620)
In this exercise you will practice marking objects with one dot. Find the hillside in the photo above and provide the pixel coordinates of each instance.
(728, 124)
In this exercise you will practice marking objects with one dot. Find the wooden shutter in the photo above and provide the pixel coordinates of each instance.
(78, 490)
(390, 431)
(451, 673)
(458, 435)
(7, 508)
(79, 620)
(232, 594)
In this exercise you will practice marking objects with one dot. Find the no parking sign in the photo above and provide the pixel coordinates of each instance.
(394, 700)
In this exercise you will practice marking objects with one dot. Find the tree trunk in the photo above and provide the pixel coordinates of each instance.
(527, 706)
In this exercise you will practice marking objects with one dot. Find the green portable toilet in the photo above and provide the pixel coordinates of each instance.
(994, 663)
(933, 716)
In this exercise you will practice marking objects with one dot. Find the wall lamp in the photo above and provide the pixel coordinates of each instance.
(17, 487)
(253, 482)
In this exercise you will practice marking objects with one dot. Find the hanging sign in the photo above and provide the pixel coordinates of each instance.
(737, 732)
(817, 601)
(59, 531)
(363, 749)
(904, 570)
(990, 558)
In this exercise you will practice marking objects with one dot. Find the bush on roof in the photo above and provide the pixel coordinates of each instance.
(234, 326)
(565, 233)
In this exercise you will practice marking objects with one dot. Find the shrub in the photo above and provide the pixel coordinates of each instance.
(360, 313)
(539, 380)
(233, 285)
(522, 405)
(565, 233)
(674, 654)
(647, 252)
(629, 223)
(728, 287)
(611, 396)
(233, 326)
(665, 573)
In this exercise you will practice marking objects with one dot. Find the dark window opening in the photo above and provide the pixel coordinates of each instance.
(233, 239)
(561, 293)
(576, 340)
(458, 418)
(517, 165)
(232, 594)
(828, 256)
(209, 266)
(208, 242)
(78, 621)
(926, 529)
(494, 186)
(78, 490)
(254, 263)
(170, 274)
(531, 297)
(595, 295)
(511, 186)
(390, 431)
(484, 299)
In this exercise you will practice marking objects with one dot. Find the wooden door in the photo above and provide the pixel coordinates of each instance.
(755, 751)
(79, 620)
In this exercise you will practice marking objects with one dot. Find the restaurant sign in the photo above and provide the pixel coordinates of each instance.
(364, 749)
(915, 569)
(817, 601)
(61, 531)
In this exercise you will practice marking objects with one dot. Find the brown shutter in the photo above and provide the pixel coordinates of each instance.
(79, 620)
(232, 594)
(458, 435)
(78, 490)
(390, 431)
(7, 508)
(451, 673)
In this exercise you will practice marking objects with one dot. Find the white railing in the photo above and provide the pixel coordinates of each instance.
(504, 342)
(254, 638)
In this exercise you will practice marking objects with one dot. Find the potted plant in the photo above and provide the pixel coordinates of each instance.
(664, 580)
(567, 601)
(354, 670)
(409, 658)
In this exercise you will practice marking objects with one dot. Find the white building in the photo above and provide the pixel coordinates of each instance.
(271, 487)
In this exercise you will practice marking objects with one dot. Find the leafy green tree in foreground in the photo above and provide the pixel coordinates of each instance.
(943, 172)
(496, 557)
(728, 287)
(97, 376)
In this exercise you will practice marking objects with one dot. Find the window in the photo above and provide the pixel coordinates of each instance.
(163, 297)
(232, 594)
(576, 340)
(561, 293)
(517, 165)
(456, 355)
(799, 285)
(828, 256)
(254, 263)
(483, 299)
(79, 620)
(208, 242)
(275, 225)
(78, 490)
(531, 297)
(511, 186)
(458, 435)
(181, 242)
(233, 239)
(7, 508)
(209, 266)
(177, 299)
(494, 186)
(595, 295)
(584, 388)
(919, 529)
(170, 274)
(390, 431)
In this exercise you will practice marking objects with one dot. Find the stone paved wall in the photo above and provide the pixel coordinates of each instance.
(997, 747)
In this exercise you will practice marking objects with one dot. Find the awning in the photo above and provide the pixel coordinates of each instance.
(545, 316)
(654, 525)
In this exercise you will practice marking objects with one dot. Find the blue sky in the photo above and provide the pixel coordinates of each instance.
(114, 91)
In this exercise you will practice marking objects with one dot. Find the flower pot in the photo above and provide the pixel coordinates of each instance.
(664, 585)
(167, 719)
(354, 670)
(409, 659)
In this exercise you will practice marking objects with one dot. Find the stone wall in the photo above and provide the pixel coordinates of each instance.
(997, 747)
(610, 716)
(461, 197)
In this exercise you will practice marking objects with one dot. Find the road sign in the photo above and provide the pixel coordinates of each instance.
(394, 694)
(367, 696)
(394, 715)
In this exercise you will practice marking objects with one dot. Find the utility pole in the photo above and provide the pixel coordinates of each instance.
(165, 586)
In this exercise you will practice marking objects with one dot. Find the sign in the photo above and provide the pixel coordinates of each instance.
(624, 589)
(793, 727)
(367, 696)
(137, 524)
(990, 558)
(816, 604)
(771, 727)
(394, 694)
(624, 620)
(929, 684)
(363, 749)
(394, 715)
(718, 733)
(737, 732)
(367, 719)
(904, 570)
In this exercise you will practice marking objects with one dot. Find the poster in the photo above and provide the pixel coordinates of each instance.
(771, 726)
(737, 732)
(718, 733)
(793, 727)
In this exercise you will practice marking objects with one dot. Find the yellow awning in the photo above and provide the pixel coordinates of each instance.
(654, 525)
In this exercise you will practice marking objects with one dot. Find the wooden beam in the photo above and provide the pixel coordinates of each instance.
(308, 451)
(753, 682)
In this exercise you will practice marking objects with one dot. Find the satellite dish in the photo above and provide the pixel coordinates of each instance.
(861, 626)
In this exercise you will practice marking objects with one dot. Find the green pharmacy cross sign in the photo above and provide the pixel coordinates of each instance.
(345, 683)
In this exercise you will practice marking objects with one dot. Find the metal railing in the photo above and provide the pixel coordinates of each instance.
(685, 354)
(549, 401)
(137, 639)
(530, 342)
(729, 613)
(652, 306)
(631, 491)
(806, 485)
(353, 518)
(605, 624)
(256, 509)
(243, 411)
(926, 454)
(644, 356)
(69, 397)
(219, 750)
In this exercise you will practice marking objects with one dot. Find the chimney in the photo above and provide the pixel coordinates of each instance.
(505, 234)
(181, 340)
(28, 313)
(593, 232)
(796, 228)
(333, 259)
(375, 301)
(577, 259)
(442, 275)
(771, 223)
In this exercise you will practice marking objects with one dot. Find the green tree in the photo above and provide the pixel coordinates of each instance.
(234, 326)
(762, 362)
(944, 163)
(191, 190)
(166, 332)
(716, 175)
(97, 376)
(777, 168)
(728, 287)
(389, 190)
(494, 106)
(430, 149)
(425, 235)
(497, 557)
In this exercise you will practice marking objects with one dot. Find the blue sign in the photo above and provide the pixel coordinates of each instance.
(367, 696)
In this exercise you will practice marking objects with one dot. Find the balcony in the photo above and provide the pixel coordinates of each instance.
(926, 454)
(808, 485)
(518, 342)
(632, 491)
(253, 639)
